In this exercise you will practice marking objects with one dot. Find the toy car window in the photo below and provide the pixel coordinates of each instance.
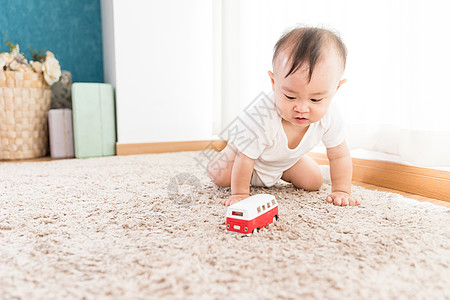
(258, 209)
(273, 201)
(237, 213)
(264, 207)
(268, 204)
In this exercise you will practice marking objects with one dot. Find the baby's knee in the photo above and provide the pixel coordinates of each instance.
(217, 176)
(212, 174)
(315, 182)
(219, 180)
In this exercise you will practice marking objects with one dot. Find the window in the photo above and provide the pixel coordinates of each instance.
(258, 209)
(268, 204)
(273, 201)
(368, 125)
(264, 207)
(237, 213)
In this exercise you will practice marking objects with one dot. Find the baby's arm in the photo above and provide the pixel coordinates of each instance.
(341, 176)
(241, 175)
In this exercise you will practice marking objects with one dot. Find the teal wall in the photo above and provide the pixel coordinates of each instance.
(71, 29)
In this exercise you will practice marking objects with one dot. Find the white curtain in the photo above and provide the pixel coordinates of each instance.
(397, 98)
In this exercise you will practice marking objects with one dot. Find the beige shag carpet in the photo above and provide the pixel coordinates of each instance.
(129, 228)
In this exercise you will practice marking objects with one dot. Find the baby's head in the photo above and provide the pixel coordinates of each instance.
(303, 46)
(308, 64)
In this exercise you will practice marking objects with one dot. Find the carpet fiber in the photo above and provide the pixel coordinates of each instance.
(151, 226)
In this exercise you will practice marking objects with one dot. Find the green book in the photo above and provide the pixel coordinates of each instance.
(94, 120)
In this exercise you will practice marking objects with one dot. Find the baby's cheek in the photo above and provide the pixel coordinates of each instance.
(280, 109)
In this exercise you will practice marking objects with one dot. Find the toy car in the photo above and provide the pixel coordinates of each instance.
(251, 214)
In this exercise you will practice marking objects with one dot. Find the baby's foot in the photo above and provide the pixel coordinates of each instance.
(342, 199)
(234, 199)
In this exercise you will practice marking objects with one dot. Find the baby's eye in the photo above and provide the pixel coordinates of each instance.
(316, 100)
(290, 98)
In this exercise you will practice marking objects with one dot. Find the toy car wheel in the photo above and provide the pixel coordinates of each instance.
(255, 231)
(274, 219)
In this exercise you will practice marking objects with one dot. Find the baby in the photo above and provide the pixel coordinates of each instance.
(308, 64)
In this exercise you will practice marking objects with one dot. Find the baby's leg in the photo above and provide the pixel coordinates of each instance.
(220, 167)
(305, 174)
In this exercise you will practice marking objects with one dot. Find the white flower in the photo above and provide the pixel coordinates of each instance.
(6, 57)
(22, 59)
(15, 51)
(49, 54)
(37, 66)
(51, 69)
(14, 66)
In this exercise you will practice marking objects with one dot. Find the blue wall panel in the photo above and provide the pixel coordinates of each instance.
(71, 29)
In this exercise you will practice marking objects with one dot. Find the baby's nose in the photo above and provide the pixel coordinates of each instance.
(301, 108)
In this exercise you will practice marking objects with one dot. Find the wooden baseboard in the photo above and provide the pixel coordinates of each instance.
(162, 147)
(420, 181)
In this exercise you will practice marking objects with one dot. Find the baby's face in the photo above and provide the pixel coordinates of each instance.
(301, 103)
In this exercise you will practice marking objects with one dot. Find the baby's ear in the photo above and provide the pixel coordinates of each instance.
(341, 83)
(271, 79)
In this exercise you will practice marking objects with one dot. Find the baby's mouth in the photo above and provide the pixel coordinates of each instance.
(301, 120)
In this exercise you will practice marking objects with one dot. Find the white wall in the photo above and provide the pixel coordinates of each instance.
(164, 73)
(109, 57)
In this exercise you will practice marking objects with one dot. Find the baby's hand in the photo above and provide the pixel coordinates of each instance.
(234, 199)
(342, 199)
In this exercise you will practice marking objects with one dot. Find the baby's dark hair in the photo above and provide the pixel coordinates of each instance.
(306, 44)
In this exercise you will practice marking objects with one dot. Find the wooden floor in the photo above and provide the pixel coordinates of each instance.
(364, 185)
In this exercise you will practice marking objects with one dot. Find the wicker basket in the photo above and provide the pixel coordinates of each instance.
(24, 105)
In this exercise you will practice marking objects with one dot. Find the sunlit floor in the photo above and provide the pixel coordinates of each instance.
(408, 195)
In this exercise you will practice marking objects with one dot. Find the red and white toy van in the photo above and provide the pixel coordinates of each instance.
(251, 214)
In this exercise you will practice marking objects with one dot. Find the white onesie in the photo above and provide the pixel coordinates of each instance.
(259, 134)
